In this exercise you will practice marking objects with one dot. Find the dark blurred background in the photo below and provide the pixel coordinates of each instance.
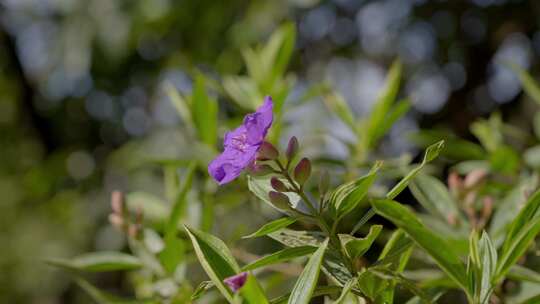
(81, 95)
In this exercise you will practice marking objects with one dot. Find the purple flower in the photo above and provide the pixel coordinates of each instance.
(241, 145)
(236, 281)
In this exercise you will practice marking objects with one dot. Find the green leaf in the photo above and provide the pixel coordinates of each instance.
(434, 196)
(201, 289)
(332, 266)
(508, 208)
(98, 262)
(319, 291)
(337, 104)
(394, 256)
(347, 196)
(272, 227)
(526, 215)
(179, 203)
(378, 116)
(205, 113)
(306, 283)
(401, 108)
(345, 291)
(529, 84)
(517, 247)
(521, 273)
(181, 104)
(532, 157)
(261, 186)
(431, 153)
(438, 248)
(356, 247)
(252, 291)
(294, 238)
(504, 159)
(488, 132)
(388, 275)
(173, 253)
(456, 148)
(532, 300)
(215, 258)
(278, 50)
(488, 259)
(243, 90)
(102, 297)
(280, 256)
(370, 284)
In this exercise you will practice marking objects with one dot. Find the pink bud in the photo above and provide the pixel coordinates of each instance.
(236, 281)
(455, 183)
(117, 202)
(474, 177)
(302, 171)
(280, 200)
(292, 148)
(278, 185)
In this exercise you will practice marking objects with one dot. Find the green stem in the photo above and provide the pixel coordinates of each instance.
(321, 222)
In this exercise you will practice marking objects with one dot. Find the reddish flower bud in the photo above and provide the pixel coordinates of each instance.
(260, 170)
(324, 183)
(236, 281)
(474, 178)
(267, 151)
(279, 200)
(292, 148)
(278, 185)
(455, 183)
(302, 171)
(117, 202)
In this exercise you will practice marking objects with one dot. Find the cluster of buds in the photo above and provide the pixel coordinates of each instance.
(466, 191)
(122, 219)
(287, 180)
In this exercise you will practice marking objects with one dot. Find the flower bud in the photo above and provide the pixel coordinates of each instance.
(455, 183)
(236, 281)
(267, 151)
(292, 148)
(302, 171)
(474, 178)
(117, 202)
(279, 200)
(260, 170)
(324, 183)
(278, 185)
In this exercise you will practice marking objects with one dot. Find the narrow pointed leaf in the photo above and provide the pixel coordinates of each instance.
(431, 153)
(98, 262)
(356, 247)
(280, 256)
(307, 282)
(252, 291)
(272, 226)
(215, 258)
(438, 248)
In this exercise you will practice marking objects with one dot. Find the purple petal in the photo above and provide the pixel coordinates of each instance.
(236, 281)
(230, 164)
(241, 144)
(258, 123)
